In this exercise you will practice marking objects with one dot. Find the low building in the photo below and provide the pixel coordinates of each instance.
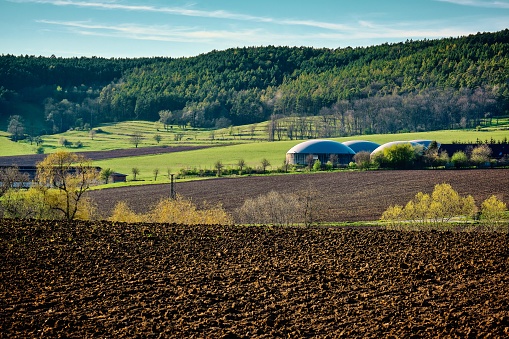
(118, 177)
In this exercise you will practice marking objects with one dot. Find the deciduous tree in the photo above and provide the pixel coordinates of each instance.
(136, 139)
(16, 127)
(64, 177)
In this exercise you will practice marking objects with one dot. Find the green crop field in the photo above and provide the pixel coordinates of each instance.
(254, 152)
(231, 144)
(229, 155)
(116, 136)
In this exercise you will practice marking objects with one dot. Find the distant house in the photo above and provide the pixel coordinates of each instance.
(118, 177)
(29, 171)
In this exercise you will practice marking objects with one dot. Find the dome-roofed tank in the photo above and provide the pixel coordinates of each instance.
(319, 149)
(321, 146)
(392, 143)
(361, 145)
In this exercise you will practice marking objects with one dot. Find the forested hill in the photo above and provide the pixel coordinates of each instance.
(415, 85)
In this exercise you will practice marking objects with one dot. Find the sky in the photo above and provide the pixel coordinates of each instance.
(182, 28)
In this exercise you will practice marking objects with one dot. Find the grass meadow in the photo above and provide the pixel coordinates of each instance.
(231, 144)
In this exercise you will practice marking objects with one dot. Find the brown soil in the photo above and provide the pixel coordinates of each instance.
(342, 196)
(33, 159)
(103, 280)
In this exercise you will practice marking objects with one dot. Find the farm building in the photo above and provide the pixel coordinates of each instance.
(361, 145)
(323, 150)
(118, 177)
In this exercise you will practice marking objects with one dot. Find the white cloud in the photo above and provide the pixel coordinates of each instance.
(217, 14)
(154, 33)
(364, 32)
(479, 3)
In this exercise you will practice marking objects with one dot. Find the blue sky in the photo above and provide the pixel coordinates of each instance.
(136, 28)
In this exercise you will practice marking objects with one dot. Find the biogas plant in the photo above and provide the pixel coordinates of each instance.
(341, 153)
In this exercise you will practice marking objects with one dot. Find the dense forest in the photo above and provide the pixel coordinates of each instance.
(407, 86)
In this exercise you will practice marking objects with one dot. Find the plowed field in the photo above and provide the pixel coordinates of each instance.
(103, 280)
(341, 196)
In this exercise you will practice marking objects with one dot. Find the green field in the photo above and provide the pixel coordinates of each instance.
(7, 147)
(231, 144)
(254, 152)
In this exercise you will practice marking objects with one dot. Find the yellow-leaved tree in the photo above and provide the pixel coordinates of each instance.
(493, 210)
(439, 208)
(63, 178)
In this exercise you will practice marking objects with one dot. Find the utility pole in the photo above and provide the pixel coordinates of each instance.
(172, 187)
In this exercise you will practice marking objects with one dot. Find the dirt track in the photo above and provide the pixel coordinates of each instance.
(343, 196)
(102, 280)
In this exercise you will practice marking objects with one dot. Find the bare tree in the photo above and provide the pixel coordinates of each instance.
(219, 167)
(310, 160)
(271, 127)
(12, 178)
(136, 139)
(362, 159)
(265, 163)
(252, 130)
(241, 164)
(333, 158)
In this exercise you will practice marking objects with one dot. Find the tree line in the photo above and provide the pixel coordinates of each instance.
(411, 86)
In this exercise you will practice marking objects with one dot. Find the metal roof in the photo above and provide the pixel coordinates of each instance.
(361, 145)
(320, 146)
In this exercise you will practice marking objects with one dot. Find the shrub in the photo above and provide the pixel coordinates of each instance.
(36, 203)
(436, 209)
(183, 211)
(481, 155)
(398, 156)
(317, 165)
(25, 204)
(393, 216)
(362, 159)
(273, 208)
(459, 159)
(122, 213)
(493, 210)
(179, 211)
(432, 157)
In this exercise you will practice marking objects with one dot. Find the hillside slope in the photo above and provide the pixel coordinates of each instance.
(415, 85)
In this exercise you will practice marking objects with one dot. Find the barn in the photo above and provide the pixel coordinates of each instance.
(361, 145)
(319, 149)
